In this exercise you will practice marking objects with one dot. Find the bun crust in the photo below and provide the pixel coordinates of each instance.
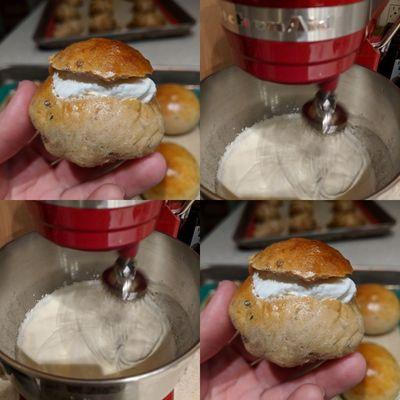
(183, 176)
(343, 205)
(382, 380)
(379, 307)
(309, 260)
(180, 108)
(302, 222)
(95, 130)
(265, 211)
(301, 206)
(267, 228)
(292, 330)
(106, 59)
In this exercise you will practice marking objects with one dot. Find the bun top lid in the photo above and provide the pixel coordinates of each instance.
(309, 260)
(105, 59)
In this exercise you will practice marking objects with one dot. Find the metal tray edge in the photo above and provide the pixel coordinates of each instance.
(383, 228)
(139, 34)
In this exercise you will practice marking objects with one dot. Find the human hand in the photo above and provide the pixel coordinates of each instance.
(26, 171)
(226, 371)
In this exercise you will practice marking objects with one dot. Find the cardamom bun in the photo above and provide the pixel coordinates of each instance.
(91, 130)
(293, 330)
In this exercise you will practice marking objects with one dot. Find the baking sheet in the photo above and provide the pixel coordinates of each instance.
(178, 22)
(379, 222)
(210, 277)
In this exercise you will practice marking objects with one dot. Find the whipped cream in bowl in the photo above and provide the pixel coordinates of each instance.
(71, 86)
(268, 287)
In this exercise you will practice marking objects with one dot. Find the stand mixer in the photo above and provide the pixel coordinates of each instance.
(75, 244)
(103, 226)
(300, 42)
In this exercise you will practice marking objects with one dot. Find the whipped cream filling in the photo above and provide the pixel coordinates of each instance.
(342, 289)
(68, 86)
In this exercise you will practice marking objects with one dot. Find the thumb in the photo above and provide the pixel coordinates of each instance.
(107, 191)
(16, 129)
(216, 329)
(307, 391)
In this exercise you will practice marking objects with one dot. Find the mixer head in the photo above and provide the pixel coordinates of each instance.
(324, 114)
(295, 41)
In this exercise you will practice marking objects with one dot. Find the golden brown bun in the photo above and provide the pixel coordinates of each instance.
(180, 108)
(382, 380)
(293, 330)
(100, 7)
(268, 228)
(65, 12)
(106, 59)
(301, 207)
(69, 28)
(95, 130)
(379, 307)
(144, 6)
(302, 222)
(265, 211)
(306, 259)
(147, 19)
(343, 205)
(183, 176)
(347, 219)
(102, 23)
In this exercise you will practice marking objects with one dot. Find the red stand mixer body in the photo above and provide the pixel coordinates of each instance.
(296, 41)
(94, 226)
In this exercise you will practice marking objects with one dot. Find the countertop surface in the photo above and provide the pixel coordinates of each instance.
(181, 52)
(218, 248)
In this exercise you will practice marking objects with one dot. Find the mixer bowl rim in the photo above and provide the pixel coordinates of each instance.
(214, 196)
(5, 359)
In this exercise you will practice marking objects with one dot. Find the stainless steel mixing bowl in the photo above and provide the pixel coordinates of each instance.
(232, 100)
(31, 267)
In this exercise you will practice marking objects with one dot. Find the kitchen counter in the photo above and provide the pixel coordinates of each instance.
(181, 52)
(375, 253)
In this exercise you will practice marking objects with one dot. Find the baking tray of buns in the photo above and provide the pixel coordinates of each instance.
(66, 21)
(212, 275)
(262, 224)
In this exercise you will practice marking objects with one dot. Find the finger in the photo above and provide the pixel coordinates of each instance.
(307, 391)
(30, 177)
(333, 377)
(107, 192)
(273, 375)
(216, 329)
(16, 129)
(133, 177)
